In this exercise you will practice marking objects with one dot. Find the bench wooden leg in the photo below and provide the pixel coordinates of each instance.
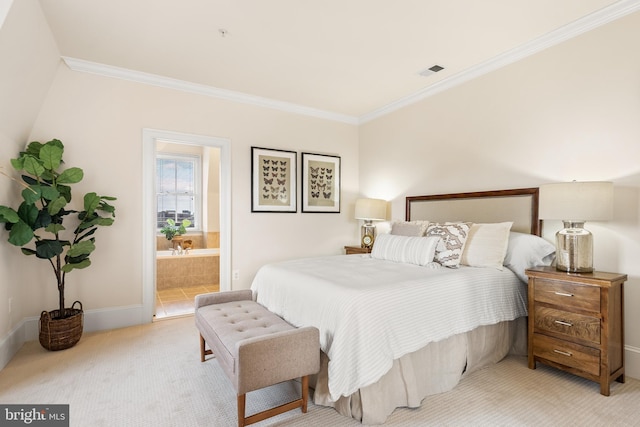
(203, 352)
(241, 404)
(260, 416)
(305, 392)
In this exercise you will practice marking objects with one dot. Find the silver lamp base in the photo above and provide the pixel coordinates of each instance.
(574, 248)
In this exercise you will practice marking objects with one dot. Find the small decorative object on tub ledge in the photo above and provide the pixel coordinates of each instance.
(42, 213)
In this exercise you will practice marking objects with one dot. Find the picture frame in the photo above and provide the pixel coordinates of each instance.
(320, 183)
(273, 180)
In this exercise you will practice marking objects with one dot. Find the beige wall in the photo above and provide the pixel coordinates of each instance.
(570, 112)
(29, 61)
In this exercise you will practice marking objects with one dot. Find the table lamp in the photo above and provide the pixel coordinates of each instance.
(574, 203)
(370, 210)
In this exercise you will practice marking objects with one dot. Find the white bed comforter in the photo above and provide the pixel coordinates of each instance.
(371, 312)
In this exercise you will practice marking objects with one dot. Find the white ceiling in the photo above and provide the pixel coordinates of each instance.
(353, 58)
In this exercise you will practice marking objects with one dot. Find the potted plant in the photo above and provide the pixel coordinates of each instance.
(172, 231)
(62, 236)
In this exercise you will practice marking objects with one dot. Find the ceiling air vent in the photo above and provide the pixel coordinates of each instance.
(431, 70)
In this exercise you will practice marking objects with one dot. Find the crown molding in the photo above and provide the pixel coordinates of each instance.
(594, 20)
(81, 65)
(580, 26)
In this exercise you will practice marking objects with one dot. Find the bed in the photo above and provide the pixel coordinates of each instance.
(428, 306)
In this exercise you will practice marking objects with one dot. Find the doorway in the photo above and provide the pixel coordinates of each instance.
(185, 142)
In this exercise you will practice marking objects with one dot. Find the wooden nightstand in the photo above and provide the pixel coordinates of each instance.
(576, 323)
(351, 250)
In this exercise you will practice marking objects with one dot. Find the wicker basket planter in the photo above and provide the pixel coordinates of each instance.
(60, 334)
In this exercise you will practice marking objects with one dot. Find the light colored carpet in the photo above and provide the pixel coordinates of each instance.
(151, 375)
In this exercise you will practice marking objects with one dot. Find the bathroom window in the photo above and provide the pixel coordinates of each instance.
(178, 178)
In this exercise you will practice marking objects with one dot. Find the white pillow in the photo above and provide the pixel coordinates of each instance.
(527, 251)
(406, 249)
(453, 237)
(486, 245)
(409, 228)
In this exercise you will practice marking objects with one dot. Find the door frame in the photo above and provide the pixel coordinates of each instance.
(149, 214)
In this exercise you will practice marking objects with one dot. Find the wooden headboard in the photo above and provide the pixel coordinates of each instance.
(517, 205)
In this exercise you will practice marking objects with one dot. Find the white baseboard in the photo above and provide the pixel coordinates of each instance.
(94, 320)
(632, 362)
(10, 345)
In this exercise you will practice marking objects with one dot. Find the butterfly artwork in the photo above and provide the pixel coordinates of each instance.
(321, 183)
(274, 175)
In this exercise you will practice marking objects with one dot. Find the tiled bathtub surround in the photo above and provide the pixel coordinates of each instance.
(193, 269)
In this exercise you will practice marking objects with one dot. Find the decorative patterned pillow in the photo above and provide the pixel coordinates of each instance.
(406, 249)
(486, 245)
(453, 237)
(409, 228)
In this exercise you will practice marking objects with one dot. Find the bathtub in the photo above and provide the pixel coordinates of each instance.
(197, 268)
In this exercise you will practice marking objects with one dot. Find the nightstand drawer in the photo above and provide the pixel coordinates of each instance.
(570, 325)
(577, 356)
(568, 295)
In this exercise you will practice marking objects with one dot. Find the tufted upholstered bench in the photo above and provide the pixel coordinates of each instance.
(255, 347)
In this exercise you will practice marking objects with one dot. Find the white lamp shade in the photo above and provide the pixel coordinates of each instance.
(577, 201)
(371, 209)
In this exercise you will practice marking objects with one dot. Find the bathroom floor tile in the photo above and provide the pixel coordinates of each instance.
(179, 301)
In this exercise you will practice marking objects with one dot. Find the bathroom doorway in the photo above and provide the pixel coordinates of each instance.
(172, 276)
(187, 193)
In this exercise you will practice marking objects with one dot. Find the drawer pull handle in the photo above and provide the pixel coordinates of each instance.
(563, 294)
(564, 353)
(560, 322)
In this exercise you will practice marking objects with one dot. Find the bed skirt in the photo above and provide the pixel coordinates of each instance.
(436, 368)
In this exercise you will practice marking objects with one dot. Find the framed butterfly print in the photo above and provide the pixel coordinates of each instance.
(320, 183)
(273, 180)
